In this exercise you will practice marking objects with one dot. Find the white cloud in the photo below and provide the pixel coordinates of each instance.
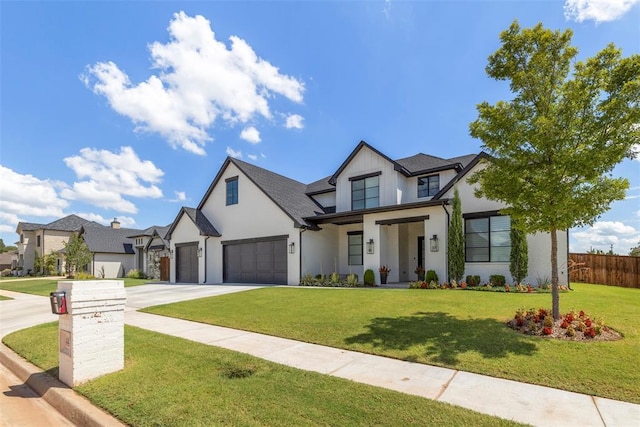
(125, 221)
(597, 10)
(26, 195)
(233, 153)
(199, 80)
(250, 134)
(602, 235)
(636, 151)
(110, 176)
(294, 121)
(181, 196)
(253, 157)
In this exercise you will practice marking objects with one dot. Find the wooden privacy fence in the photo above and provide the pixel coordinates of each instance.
(613, 270)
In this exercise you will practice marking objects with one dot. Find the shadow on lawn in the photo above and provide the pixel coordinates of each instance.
(444, 337)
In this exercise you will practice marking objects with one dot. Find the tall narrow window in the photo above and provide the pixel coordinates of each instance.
(355, 247)
(365, 193)
(38, 241)
(428, 186)
(232, 191)
(487, 239)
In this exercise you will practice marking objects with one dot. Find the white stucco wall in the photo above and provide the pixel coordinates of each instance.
(326, 199)
(113, 264)
(319, 255)
(539, 243)
(254, 216)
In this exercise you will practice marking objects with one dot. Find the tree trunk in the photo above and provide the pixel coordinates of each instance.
(555, 293)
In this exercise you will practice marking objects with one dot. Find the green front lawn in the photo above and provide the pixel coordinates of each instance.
(457, 329)
(169, 381)
(45, 286)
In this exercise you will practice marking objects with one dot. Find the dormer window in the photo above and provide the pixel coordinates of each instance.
(232, 191)
(428, 186)
(365, 191)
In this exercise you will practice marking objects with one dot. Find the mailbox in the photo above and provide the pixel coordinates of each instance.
(58, 302)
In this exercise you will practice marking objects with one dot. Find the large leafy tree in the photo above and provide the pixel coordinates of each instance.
(456, 240)
(77, 254)
(553, 146)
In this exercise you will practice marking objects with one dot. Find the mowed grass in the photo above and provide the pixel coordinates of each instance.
(169, 381)
(463, 330)
(45, 286)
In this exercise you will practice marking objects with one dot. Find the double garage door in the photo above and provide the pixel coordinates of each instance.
(256, 261)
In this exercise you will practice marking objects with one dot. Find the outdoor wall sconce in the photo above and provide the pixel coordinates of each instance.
(292, 248)
(171, 253)
(199, 252)
(433, 241)
(370, 246)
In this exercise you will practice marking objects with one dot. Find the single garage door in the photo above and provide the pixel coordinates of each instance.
(187, 263)
(263, 261)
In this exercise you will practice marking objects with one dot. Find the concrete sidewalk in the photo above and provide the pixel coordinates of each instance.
(526, 403)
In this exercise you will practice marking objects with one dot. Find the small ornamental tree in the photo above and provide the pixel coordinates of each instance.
(456, 241)
(77, 254)
(552, 147)
(37, 263)
(519, 260)
(49, 262)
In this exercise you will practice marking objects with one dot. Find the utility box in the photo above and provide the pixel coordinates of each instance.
(91, 333)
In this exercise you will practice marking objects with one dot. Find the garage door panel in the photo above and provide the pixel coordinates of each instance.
(256, 262)
(187, 263)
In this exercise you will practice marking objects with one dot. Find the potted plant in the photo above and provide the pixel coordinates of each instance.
(384, 272)
(420, 272)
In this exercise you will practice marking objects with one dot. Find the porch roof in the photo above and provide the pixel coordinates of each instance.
(355, 217)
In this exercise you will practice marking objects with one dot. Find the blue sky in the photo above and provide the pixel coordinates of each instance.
(128, 109)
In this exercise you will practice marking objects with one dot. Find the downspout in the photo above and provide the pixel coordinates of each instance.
(205, 258)
(446, 239)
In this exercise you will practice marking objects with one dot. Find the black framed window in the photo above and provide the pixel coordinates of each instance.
(428, 186)
(487, 239)
(355, 247)
(232, 191)
(365, 193)
(38, 241)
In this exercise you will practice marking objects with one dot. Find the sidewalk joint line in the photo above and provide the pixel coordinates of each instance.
(593, 399)
(446, 386)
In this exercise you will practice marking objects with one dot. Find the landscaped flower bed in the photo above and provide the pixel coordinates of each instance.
(575, 326)
(487, 287)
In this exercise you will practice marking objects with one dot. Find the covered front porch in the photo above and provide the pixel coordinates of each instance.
(401, 239)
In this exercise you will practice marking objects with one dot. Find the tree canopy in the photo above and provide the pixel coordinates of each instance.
(552, 148)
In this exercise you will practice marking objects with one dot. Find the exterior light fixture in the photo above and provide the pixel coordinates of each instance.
(370, 246)
(199, 252)
(292, 248)
(433, 241)
(171, 253)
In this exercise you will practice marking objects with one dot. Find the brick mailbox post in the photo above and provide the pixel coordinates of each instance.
(91, 332)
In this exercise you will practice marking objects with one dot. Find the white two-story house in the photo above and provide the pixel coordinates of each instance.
(255, 226)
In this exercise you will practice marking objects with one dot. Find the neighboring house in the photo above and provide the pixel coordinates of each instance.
(113, 251)
(152, 252)
(44, 239)
(255, 226)
(6, 261)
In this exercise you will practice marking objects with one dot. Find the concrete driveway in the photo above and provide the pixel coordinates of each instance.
(156, 294)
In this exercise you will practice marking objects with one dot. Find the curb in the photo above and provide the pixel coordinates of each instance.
(70, 404)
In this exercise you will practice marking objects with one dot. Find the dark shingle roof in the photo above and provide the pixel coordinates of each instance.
(68, 223)
(464, 160)
(320, 186)
(288, 194)
(201, 221)
(423, 162)
(29, 226)
(102, 239)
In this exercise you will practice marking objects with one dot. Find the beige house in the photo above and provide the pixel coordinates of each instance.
(43, 239)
